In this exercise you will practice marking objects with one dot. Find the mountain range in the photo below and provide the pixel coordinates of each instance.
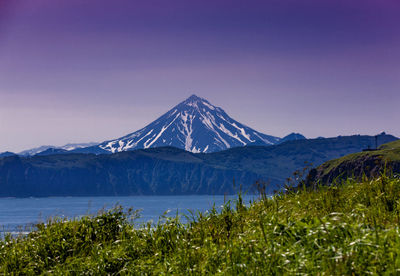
(194, 125)
(169, 170)
(194, 148)
(66, 148)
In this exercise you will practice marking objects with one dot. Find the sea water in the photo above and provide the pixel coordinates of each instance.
(19, 215)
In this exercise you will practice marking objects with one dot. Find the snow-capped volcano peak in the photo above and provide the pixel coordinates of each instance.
(197, 102)
(194, 125)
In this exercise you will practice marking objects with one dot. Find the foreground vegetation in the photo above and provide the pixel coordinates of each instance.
(344, 229)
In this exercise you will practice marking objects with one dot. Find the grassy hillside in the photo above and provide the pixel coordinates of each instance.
(348, 229)
(357, 165)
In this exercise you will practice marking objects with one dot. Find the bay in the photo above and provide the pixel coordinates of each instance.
(19, 215)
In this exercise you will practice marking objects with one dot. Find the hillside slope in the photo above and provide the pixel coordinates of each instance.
(357, 165)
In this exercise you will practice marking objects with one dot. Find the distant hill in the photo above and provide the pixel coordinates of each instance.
(65, 148)
(33, 151)
(357, 165)
(6, 154)
(291, 137)
(167, 170)
(52, 151)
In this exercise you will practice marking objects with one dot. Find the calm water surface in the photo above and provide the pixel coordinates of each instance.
(19, 214)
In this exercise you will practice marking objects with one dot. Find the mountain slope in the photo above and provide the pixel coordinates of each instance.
(168, 170)
(194, 125)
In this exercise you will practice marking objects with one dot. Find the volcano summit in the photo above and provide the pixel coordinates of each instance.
(194, 125)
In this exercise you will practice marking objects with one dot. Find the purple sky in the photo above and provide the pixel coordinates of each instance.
(92, 70)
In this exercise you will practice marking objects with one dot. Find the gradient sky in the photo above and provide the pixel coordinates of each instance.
(92, 70)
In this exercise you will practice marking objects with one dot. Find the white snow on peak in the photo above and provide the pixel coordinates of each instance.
(235, 136)
(264, 140)
(208, 105)
(195, 150)
(193, 104)
(121, 145)
(187, 123)
(173, 112)
(243, 132)
(160, 133)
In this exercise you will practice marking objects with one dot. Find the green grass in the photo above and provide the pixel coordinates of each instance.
(337, 230)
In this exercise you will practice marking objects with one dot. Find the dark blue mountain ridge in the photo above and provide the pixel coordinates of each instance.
(292, 136)
(194, 125)
(7, 154)
(170, 171)
(68, 148)
(52, 151)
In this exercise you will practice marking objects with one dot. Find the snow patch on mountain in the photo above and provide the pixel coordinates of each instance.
(67, 147)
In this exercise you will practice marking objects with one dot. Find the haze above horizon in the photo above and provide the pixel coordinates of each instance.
(78, 71)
